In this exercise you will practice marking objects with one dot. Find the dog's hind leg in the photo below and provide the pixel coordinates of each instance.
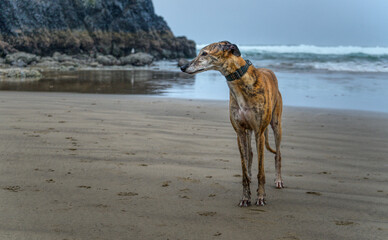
(276, 125)
(243, 146)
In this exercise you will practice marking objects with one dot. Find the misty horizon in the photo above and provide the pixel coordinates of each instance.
(300, 22)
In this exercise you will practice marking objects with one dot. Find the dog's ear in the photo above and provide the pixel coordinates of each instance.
(235, 51)
(232, 48)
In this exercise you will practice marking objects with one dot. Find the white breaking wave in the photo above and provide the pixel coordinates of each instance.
(328, 66)
(311, 49)
(350, 67)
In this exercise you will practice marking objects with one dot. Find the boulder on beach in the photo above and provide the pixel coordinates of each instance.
(137, 59)
(47, 64)
(94, 64)
(107, 60)
(21, 59)
(21, 73)
(62, 57)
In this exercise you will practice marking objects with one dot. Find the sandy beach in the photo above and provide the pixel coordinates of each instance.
(84, 166)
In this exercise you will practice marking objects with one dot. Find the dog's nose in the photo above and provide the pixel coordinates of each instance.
(184, 67)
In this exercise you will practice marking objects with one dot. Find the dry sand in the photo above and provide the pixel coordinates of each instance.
(79, 166)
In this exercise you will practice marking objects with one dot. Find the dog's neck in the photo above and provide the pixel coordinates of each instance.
(236, 91)
(232, 65)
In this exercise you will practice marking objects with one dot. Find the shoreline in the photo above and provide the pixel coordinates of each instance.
(83, 166)
(332, 90)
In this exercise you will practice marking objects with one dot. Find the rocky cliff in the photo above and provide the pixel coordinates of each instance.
(112, 27)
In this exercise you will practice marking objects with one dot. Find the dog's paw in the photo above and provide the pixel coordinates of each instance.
(279, 184)
(260, 201)
(244, 203)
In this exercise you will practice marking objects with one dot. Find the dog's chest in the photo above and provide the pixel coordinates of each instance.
(245, 116)
(247, 105)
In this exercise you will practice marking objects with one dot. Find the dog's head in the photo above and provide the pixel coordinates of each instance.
(212, 57)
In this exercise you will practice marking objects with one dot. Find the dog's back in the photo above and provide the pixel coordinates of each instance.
(270, 75)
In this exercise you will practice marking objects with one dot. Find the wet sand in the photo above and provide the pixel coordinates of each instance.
(83, 166)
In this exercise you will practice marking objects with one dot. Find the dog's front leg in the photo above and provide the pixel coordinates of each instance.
(249, 152)
(261, 175)
(243, 147)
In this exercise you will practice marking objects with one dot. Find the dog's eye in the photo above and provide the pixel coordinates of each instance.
(204, 54)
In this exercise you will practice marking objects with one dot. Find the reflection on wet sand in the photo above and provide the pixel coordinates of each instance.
(357, 91)
(110, 82)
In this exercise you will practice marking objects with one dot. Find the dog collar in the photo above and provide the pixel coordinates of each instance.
(239, 72)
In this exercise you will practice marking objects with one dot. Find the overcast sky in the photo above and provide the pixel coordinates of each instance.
(318, 22)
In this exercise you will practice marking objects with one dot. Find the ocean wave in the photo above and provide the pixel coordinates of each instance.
(309, 57)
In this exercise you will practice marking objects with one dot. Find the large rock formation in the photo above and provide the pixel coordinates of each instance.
(112, 27)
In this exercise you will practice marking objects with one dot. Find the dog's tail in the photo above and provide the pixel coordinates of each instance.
(267, 143)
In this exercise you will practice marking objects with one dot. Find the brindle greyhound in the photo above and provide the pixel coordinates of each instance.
(255, 102)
